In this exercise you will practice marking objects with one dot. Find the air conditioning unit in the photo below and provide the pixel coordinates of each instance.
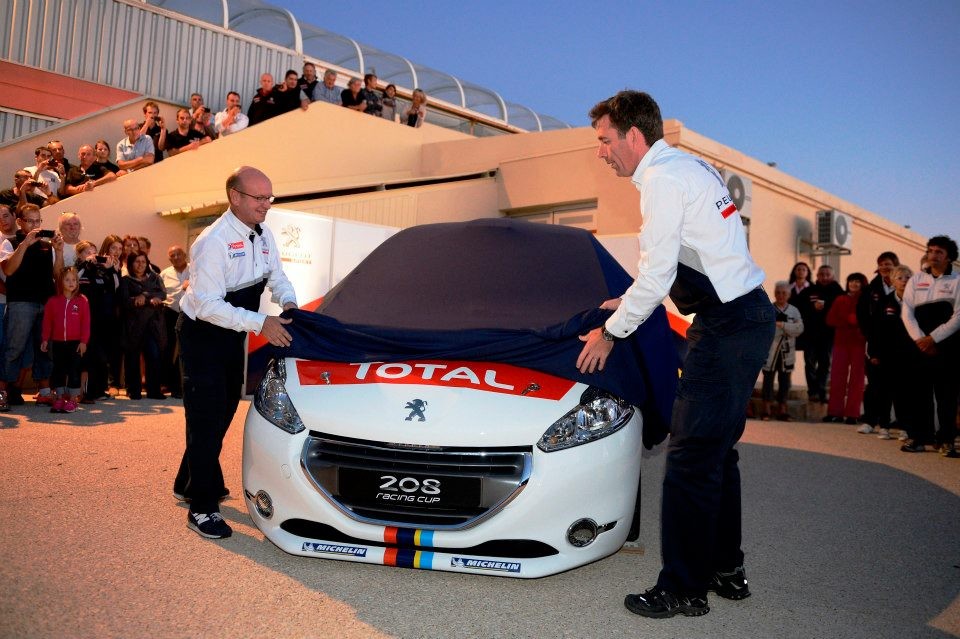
(741, 191)
(834, 229)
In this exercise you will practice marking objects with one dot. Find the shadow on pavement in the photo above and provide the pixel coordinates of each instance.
(835, 548)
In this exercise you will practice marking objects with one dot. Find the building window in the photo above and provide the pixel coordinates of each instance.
(582, 216)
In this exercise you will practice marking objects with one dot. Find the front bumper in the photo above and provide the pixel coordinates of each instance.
(525, 536)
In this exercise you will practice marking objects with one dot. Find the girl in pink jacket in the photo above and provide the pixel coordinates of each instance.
(66, 332)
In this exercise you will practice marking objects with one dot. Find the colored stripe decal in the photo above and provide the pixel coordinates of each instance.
(405, 557)
(406, 536)
(423, 560)
(490, 377)
(390, 535)
(730, 210)
(423, 538)
(678, 324)
(390, 557)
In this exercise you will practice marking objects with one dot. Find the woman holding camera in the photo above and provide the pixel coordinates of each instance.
(99, 284)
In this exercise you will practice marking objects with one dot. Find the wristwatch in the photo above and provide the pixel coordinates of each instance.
(607, 335)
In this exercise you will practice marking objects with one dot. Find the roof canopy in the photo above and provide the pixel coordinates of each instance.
(278, 26)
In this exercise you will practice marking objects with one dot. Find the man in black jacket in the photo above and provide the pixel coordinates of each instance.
(816, 342)
(878, 397)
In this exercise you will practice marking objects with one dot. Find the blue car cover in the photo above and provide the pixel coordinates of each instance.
(495, 290)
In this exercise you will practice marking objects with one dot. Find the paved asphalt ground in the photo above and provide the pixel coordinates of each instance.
(845, 537)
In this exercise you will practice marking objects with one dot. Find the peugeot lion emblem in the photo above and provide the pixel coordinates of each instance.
(291, 236)
(416, 407)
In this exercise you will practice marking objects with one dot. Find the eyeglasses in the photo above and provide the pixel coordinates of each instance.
(27, 220)
(261, 199)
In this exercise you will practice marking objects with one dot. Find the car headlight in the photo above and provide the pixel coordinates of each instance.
(599, 414)
(272, 401)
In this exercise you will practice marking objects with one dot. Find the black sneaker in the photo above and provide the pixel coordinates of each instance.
(730, 585)
(14, 396)
(911, 446)
(660, 604)
(209, 525)
(948, 450)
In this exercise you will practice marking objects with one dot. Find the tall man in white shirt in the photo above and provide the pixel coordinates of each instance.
(931, 315)
(231, 263)
(693, 248)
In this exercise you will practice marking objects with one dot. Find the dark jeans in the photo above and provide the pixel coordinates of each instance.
(935, 377)
(95, 360)
(171, 354)
(23, 326)
(783, 386)
(700, 527)
(114, 352)
(66, 364)
(878, 396)
(150, 350)
(211, 359)
(816, 364)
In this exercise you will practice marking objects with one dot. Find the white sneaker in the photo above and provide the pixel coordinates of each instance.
(903, 436)
(865, 429)
(884, 434)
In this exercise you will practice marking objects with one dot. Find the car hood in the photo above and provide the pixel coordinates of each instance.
(430, 402)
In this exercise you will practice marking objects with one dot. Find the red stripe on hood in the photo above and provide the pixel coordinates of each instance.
(485, 376)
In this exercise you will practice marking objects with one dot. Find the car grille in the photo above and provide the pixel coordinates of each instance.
(352, 473)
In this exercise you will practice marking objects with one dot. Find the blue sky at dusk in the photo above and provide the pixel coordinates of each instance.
(857, 98)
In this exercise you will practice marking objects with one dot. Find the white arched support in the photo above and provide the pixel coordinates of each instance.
(360, 60)
(413, 72)
(294, 25)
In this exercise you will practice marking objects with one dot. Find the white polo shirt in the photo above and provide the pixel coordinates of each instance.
(224, 259)
(689, 217)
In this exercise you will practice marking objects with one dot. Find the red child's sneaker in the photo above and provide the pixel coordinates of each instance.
(45, 400)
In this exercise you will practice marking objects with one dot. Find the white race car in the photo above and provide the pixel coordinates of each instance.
(464, 464)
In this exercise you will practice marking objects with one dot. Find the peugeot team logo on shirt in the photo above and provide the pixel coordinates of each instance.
(416, 407)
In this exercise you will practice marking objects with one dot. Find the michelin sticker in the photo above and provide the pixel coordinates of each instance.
(333, 549)
(484, 564)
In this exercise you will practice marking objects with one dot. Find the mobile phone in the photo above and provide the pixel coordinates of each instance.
(101, 259)
(46, 233)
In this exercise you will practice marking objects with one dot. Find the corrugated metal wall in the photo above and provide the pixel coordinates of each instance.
(399, 210)
(121, 43)
(14, 124)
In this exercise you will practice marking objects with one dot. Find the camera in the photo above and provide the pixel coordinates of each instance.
(46, 233)
(101, 259)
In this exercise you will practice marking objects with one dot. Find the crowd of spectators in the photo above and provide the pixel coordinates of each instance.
(362, 95)
(116, 289)
(863, 346)
(53, 177)
(878, 355)
(79, 320)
